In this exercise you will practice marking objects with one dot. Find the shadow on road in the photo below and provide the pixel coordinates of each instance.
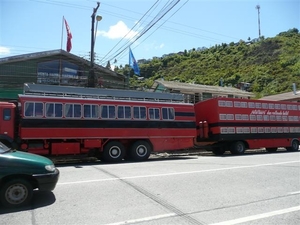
(170, 156)
(40, 199)
(79, 164)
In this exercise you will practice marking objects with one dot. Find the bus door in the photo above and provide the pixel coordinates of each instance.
(7, 120)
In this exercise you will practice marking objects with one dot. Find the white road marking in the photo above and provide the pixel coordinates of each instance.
(294, 193)
(258, 216)
(176, 174)
(143, 219)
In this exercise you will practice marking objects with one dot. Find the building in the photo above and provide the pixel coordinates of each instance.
(56, 67)
(195, 92)
(293, 96)
(288, 96)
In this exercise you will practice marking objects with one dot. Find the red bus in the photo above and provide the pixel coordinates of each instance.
(62, 121)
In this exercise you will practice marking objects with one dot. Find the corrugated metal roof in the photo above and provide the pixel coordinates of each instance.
(198, 88)
(82, 92)
(50, 53)
(288, 96)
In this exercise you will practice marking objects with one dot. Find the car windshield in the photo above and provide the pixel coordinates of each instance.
(3, 148)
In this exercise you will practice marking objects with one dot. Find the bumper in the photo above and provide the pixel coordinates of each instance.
(47, 182)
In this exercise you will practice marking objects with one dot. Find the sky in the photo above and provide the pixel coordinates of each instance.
(151, 28)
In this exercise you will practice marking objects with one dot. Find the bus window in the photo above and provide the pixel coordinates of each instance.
(90, 111)
(139, 112)
(112, 112)
(28, 109)
(54, 110)
(168, 113)
(38, 109)
(6, 114)
(58, 110)
(73, 110)
(124, 112)
(33, 109)
(77, 110)
(154, 114)
(127, 112)
(108, 111)
(68, 110)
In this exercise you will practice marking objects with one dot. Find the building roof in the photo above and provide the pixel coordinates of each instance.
(198, 88)
(38, 55)
(288, 96)
(98, 93)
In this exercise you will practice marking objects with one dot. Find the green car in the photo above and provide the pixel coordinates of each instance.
(21, 173)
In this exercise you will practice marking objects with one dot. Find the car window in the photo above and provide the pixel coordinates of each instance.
(3, 148)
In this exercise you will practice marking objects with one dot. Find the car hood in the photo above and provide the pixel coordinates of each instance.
(25, 156)
(23, 162)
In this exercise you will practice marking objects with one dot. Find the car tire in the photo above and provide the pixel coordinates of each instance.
(16, 193)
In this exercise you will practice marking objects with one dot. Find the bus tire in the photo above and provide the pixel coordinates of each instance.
(294, 146)
(237, 148)
(271, 149)
(218, 150)
(113, 151)
(140, 150)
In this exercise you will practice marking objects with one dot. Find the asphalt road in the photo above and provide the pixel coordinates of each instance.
(251, 189)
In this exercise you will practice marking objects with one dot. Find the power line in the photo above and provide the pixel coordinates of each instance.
(130, 30)
(154, 21)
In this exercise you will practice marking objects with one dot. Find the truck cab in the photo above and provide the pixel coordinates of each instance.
(7, 121)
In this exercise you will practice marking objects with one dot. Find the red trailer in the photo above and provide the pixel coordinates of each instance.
(239, 124)
(108, 124)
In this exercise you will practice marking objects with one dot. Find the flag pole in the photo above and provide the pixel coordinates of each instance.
(62, 32)
(61, 41)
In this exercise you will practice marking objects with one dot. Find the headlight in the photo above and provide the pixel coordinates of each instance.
(50, 168)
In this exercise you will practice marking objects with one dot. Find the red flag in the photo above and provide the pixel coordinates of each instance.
(69, 43)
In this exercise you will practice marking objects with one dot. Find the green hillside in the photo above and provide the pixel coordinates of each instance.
(271, 65)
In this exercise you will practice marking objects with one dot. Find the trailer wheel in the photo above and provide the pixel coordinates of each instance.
(140, 151)
(271, 149)
(16, 193)
(294, 147)
(218, 150)
(113, 151)
(237, 148)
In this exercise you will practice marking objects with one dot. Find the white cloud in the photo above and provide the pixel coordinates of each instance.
(154, 45)
(160, 46)
(118, 31)
(4, 50)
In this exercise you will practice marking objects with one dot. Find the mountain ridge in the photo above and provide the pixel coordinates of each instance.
(269, 65)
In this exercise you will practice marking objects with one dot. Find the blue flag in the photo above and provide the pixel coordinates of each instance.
(133, 64)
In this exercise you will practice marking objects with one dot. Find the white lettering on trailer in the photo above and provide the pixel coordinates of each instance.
(258, 112)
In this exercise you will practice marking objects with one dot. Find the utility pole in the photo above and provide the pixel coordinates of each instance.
(91, 78)
(258, 8)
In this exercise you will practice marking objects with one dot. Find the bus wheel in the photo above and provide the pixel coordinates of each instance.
(140, 151)
(218, 150)
(237, 148)
(294, 147)
(271, 149)
(113, 151)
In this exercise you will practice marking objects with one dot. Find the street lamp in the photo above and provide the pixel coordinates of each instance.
(91, 78)
(98, 18)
